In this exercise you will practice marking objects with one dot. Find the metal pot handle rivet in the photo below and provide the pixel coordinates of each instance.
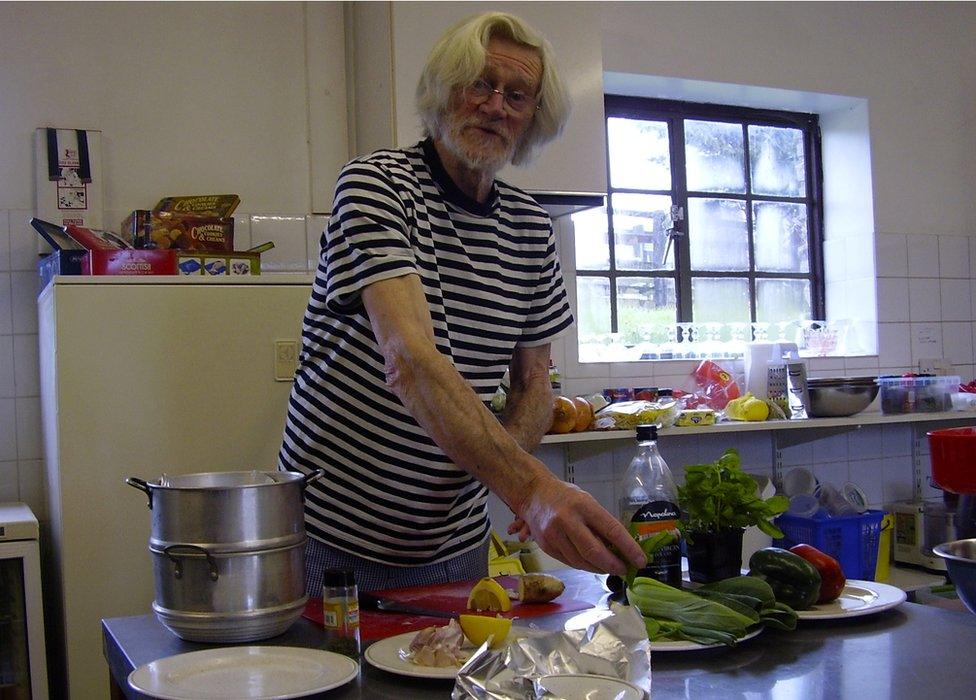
(178, 563)
(142, 486)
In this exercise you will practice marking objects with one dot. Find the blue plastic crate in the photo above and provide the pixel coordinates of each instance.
(852, 540)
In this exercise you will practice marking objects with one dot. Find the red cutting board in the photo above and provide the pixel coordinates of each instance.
(375, 625)
(444, 597)
(453, 598)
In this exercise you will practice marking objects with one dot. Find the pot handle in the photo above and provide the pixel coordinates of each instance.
(178, 563)
(142, 486)
(313, 476)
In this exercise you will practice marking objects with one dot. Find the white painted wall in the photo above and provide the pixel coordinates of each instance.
(191, 97)
(576, 162)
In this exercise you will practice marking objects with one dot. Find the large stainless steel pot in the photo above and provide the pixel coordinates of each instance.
(229, 511)
(228, 552)
(231, 596)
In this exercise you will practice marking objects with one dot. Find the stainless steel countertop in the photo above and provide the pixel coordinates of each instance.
(909, 652)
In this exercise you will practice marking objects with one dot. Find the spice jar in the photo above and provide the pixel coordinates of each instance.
(340, 612)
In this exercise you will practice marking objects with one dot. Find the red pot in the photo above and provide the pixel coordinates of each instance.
(954, 458)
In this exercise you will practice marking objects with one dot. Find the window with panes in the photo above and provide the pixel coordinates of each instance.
(712, 231)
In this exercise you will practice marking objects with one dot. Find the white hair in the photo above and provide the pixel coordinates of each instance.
(459, 59)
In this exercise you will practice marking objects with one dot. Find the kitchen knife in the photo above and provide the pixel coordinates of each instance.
(368, 601)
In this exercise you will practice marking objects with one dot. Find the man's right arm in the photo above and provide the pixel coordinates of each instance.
(568, 523)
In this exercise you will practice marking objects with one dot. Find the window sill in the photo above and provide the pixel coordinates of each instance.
(855, 421)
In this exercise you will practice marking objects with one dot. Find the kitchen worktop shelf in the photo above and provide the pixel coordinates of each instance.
(847, 423)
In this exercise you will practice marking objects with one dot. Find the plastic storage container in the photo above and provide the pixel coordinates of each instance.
(852, 540)
(918, 394)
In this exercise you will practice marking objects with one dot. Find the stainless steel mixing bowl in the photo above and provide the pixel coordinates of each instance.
(840, 396)
(960, 559)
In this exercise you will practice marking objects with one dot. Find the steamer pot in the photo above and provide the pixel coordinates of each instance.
(228, 552)
(227, 511)
(203, 596)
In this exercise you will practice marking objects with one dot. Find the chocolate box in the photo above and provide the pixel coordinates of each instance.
(215, 206)
(178, 231)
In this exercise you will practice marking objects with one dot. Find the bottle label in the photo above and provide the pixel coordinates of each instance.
(331, 615)
(655, 526)
(340, 615)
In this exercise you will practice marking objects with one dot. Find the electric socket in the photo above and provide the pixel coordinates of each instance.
(286, 360)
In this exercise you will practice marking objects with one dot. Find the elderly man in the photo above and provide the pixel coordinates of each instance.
(434, 279)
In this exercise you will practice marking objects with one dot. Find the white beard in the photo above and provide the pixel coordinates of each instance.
(476, 151)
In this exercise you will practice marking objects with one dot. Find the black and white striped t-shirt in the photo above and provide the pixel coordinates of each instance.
(492, 281)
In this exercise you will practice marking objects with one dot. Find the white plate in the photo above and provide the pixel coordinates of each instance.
(858, 598)
(244, 673)
(584, 686)
(385, 655)
(585, 619)
(668, 645)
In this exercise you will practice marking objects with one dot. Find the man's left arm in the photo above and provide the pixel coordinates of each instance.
(528, 404)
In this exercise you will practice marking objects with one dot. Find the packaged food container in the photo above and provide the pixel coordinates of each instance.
(917, 394)
(697, 416)
(963, 401)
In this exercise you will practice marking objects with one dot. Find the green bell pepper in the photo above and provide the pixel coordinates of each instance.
(794, 580)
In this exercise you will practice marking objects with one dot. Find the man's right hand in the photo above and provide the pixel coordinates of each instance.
(570, 525)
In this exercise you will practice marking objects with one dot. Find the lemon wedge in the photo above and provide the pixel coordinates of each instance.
(478, 628)
(488, 594)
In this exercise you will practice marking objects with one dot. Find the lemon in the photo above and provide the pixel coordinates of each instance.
(747, 407)
(755, 409)
(477, 628)
(488, 594)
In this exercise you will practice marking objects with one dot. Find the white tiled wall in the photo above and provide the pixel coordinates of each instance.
(876, 458)
(926, 308)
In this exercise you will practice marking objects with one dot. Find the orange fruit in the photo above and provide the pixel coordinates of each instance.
(478, 628)
(584, 414)
(488, 594)
(563, 415)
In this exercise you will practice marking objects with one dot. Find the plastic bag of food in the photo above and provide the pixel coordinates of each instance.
(627, 415)
(716, 386)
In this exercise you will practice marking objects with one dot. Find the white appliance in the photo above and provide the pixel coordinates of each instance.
(765, 365)
(23, 665)
(920, 526)
(141, 376)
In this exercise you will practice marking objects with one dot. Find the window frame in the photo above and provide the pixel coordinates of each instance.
(674, 112)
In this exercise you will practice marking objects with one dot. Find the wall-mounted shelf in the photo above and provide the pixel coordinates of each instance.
(782, 434)
(834, 425)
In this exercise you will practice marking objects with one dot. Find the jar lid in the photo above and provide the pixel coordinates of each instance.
(800, 481)
(855, 496)
(338, 577)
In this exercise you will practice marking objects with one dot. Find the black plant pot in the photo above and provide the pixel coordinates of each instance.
(713, 556)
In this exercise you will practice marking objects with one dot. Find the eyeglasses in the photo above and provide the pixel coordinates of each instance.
(517, 102)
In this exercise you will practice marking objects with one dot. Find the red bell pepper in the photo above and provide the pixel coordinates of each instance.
(832, 579)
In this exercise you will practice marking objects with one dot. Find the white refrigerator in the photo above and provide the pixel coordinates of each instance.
(141, 376)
